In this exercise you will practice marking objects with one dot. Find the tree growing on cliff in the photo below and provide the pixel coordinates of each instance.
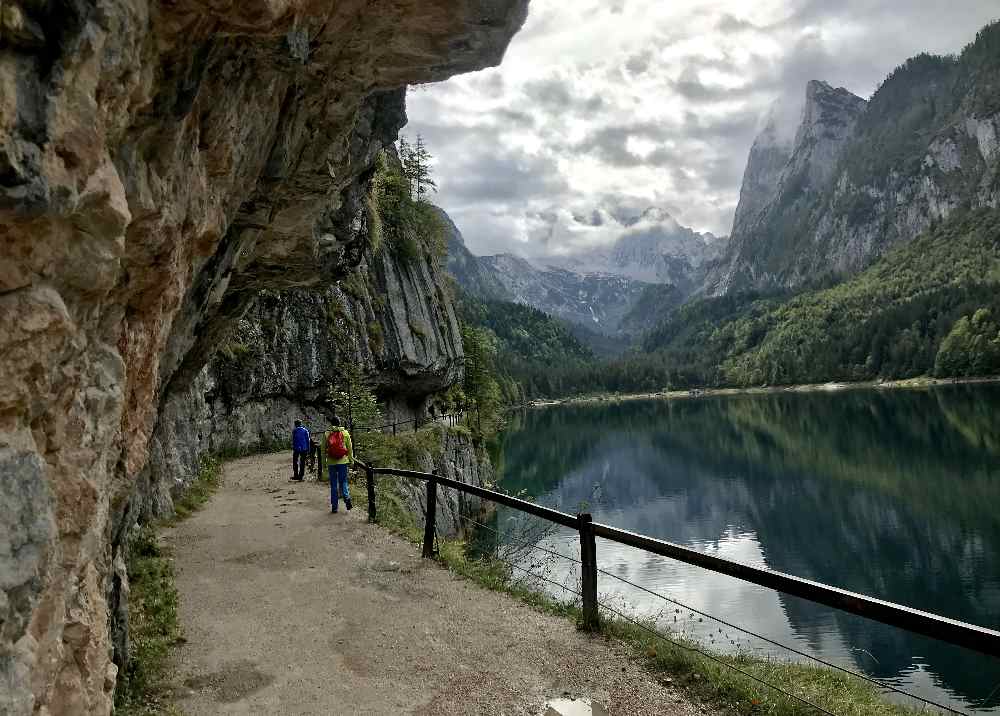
(355, 401)
(411, 228)
(416, 161)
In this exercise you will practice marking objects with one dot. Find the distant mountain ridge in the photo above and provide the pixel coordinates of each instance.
(652, 247)
(597, 288)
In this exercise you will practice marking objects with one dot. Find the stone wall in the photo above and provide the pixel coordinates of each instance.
(161, 163)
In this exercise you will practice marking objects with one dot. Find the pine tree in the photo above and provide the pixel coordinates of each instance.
(423, 182)
(416, 161)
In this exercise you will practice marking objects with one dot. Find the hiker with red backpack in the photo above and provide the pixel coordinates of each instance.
(339, 453)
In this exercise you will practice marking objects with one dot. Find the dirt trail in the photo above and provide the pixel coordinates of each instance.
(288, 609)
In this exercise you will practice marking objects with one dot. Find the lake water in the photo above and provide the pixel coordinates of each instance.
(894, 494)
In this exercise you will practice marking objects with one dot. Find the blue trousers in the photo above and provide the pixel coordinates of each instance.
(338, 480)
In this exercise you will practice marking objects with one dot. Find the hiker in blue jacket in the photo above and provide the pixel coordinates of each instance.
(300, 451)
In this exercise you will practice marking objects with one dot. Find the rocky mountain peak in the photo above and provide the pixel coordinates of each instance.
(864, 176)
(768, 157)
(828, 118)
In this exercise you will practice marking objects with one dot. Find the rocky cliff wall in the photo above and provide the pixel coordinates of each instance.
(394, 318)
(160, 164)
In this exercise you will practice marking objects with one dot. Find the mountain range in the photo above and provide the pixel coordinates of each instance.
(605, 289)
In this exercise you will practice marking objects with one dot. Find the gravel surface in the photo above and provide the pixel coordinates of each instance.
(289, 609)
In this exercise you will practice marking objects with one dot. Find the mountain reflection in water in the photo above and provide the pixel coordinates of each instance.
(893, 493)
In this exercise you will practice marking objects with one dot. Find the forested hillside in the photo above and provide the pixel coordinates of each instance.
(523, 332)
(929, 307)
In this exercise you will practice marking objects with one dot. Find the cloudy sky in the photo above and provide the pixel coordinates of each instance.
(632, 103)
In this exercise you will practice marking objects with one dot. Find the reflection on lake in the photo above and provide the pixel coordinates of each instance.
(895, 494)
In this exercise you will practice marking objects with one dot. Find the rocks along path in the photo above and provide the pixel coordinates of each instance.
(288, 609)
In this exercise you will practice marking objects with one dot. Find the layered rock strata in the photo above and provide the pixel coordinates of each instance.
(160, 164)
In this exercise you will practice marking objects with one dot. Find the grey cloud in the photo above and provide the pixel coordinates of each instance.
(729, 25)
(516, 118)
(490, 83)
(556, 96)
(610, 143)
(638, 63)
(500, 178)
(548, 93)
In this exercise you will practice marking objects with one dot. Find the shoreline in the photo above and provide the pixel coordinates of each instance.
(833, 386)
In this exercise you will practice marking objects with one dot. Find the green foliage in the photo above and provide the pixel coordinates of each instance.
(971, 348)
(913, 101)
(481, 385)
(408, 450)
(201, 488)
(338, 322)
(629, 373)
(415, 160)
(411, 227)
(376, 338)
(354, 400)
(418, 326)
(523, 331)
(153, 625)
(888, 321)
(142, 688)
(981, 61)
(354, 285)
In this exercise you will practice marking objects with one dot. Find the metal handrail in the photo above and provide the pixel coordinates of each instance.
(416, 421)
(952, 631)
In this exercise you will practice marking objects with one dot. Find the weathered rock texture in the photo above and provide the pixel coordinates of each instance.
(160, 164)
(862, 177)
(456, 457)
(394, 318)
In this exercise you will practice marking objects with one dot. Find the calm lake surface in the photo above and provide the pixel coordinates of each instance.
(894, 493)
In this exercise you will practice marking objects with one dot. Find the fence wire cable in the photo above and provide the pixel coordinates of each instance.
(705, 654)
(526, 543)
(717, 660)
(859, 675)
(678, 644)
(793, 650)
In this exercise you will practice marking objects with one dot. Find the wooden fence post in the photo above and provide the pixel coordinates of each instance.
(431, 514)
(588, 584)
(370, 481)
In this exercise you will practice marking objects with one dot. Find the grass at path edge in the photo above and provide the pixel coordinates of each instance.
(154, 628)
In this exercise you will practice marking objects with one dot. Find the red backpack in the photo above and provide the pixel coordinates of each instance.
(335, 447)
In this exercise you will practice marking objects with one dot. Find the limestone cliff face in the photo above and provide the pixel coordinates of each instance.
(769, 155)
(457, 458)
(780, 182)
(160, 164)
(863, 177)
(394, 318)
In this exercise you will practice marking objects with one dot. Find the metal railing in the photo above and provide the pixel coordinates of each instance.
(971, 636)
(449, 419)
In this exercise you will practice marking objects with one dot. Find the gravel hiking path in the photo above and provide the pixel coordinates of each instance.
(288, 609)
